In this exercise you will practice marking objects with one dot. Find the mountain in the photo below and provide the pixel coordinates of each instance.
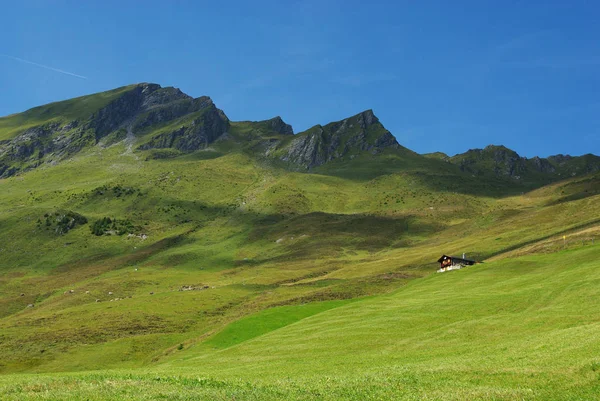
(347, 138)
(506, 163)
(165, 122)
(166, 118)
(56, 131)
(147, 237)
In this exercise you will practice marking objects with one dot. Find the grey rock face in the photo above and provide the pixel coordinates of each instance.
(307, 150)
(161, 113)
(279, 126)
(386, 140)
(367, 118)
(353, 135)
(543, 165)
(201, 132)
(51, 141)
(154, 95)
(7, 171)
(112, 116)
(149, 102)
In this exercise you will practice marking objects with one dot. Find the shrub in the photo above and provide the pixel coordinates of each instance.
(64, 221)
(108, 226)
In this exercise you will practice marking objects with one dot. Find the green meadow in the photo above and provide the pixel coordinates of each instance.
(524, 328)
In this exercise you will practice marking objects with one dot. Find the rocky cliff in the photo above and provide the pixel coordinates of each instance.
(278, 125)
(345, 138)
(206, 124)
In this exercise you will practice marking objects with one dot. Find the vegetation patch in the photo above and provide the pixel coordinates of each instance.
(61, 222)
(108, 226)
(116, 191)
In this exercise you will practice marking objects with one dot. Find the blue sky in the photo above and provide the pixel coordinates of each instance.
(440, 75)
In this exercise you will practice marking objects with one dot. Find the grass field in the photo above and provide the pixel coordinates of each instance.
(514, 329)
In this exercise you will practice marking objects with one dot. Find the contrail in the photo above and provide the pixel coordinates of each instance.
(44, 66)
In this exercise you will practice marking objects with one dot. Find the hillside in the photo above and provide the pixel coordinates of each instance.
(508, 330)
(143, 230)
(522, 328)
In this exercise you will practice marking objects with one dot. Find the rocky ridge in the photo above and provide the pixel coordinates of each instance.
(348, 137)
(138, 109)
(504, 162)
(151, 117)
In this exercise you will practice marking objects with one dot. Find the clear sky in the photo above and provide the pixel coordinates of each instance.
(440, 75)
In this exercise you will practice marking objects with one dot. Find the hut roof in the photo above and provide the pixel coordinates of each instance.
(455, 259)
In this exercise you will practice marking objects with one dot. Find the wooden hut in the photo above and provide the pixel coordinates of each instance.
(452, 262)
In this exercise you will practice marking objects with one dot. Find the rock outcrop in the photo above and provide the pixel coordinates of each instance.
(279, 126)
(198, 134)
(542, 165)
(322, 144)
(48, 142)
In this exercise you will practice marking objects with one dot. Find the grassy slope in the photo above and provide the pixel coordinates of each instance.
(260, 236)
(263, 248)
(516, 328)
(67, 110)
(522, 328)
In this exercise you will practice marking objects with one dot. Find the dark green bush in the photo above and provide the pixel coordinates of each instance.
(63, 221)
(109, 226)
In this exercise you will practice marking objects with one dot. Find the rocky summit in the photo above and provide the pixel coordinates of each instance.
(321, 144)
(65, 128)
(166, 118)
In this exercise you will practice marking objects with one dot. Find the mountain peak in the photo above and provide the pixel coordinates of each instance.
(278, 125)
(364, 119)
(68, 126)
(367, 117)
(499, 148)
(321, 144)
(155, 95)
(148, 87)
